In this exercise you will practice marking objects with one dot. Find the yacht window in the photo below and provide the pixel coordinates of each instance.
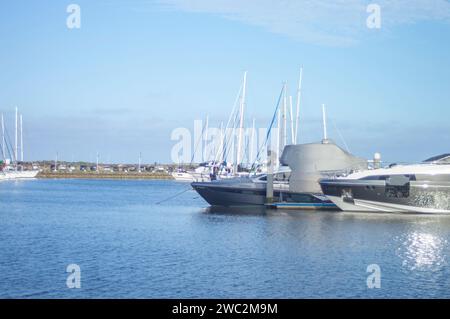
(397, 186)
(375, 178)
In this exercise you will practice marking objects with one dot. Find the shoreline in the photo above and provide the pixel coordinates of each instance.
(48, 175)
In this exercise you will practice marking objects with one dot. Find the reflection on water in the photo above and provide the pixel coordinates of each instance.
(249, 210)
(422, 251)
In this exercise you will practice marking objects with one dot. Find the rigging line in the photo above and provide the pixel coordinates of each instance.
(9, 146)
(228, 136)
(171, 197)
(246, 150)
(270, 126)
(196, 145)
(231, 137)
(339, 133)
(232, 112)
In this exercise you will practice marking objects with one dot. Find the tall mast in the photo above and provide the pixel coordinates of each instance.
(278, 138)
(15, 137)
(205, 143)
(3, 139)
(97, 162)
(21, 138)
(291, 116)
(252, 142)
(297, 107)
(324, 118)
(222, 144)
(139, 163)
(241, 123)
(284, 116)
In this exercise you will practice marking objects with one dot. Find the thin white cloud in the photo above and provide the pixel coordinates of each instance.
(339, 22)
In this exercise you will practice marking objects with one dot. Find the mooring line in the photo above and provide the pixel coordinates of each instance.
(178, 194)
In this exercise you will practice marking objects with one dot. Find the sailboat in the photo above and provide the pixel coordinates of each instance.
(296, 173)
(12, 170)
(218, 167)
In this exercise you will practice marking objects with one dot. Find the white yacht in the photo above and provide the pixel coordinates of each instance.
(182, 176)
(414, 188)
(11, 174)
(200, 174)
(304, 165)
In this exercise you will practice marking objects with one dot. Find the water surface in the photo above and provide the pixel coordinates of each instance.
(128, 246)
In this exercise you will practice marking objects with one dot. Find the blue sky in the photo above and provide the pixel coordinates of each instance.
(136, 70)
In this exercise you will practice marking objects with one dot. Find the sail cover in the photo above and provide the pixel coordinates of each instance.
(310, 162)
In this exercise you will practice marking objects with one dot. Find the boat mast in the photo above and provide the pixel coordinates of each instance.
(292, 120)
(222, 144)
(15, 138)
(278, 138)
(205, 142)
(241, 123)
(139, 163)
(3, 139)
(252, 142)
(324, 119)
(297, 107)
(284, 116)
(21, 138)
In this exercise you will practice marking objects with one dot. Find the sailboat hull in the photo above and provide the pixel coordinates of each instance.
(10, 175)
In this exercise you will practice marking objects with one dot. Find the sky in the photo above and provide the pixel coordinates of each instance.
(136, 70)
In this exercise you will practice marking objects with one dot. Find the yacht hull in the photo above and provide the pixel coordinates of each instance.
(255, 195)
(227, 196)
(364, 196)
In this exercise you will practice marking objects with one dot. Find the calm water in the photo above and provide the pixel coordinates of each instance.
(128, 246)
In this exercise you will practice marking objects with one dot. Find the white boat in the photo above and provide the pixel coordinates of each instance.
(183, 176)
(8, 170)
(295, 184)
(8, 175)
(414, 188)
(201, 173)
